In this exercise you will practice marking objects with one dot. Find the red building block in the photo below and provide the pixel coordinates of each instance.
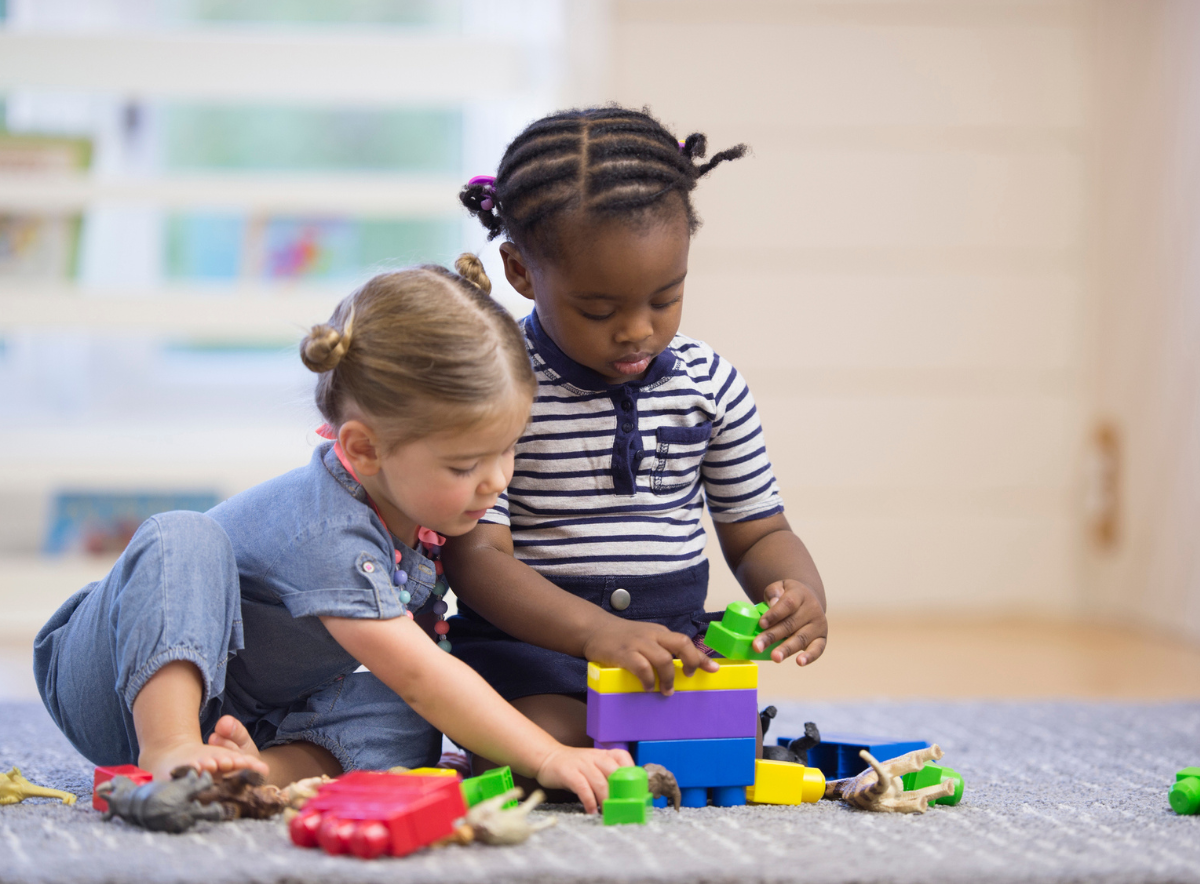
(368, 813)
(104, 774)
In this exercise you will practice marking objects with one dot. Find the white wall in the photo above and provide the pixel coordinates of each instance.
(899, 271)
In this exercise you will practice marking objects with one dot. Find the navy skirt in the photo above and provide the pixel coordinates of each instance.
(518, 669)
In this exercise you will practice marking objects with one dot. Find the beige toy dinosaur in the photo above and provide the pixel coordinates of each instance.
(14, 789)
(880, 788)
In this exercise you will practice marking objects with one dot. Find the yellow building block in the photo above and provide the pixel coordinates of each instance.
(734, 675)
(429, 772)
(782, 782)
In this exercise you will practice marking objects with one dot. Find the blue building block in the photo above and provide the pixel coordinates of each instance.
(837, 754)
(704, 763)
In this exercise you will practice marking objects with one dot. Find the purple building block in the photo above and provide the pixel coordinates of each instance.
(685, 715)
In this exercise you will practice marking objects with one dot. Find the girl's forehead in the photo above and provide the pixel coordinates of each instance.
(613, 257)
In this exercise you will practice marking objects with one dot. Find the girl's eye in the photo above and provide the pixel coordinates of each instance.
(462, 472)
(596, 317)
(666, 305)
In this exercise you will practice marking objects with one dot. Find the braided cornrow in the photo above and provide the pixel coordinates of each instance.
(605, 161)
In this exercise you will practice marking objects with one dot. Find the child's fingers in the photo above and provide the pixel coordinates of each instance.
(641, 667)
(782, 604)
(614, 758)
(812, 652)
(801, 640)
(692, 657)
(663, 660)
(585, 788)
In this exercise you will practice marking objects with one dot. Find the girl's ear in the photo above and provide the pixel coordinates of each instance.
(360, 447)
(517, 270)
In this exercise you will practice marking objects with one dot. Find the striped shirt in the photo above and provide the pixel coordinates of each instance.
(611, 479)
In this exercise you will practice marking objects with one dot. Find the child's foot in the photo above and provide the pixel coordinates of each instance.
(217, 760)
(232, 734)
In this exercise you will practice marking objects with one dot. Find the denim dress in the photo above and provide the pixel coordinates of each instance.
(238, 592)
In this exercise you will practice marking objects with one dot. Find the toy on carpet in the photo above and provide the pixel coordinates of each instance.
(245, 795)
(1185, 794)
(105, 773)
(662, 784)
(164, 806)
(881, 788)
(500, 820)
(837, 754)
(629, 799)
(784, 782)
(14, 789)
(704, 733)
(933, 775)
(795, 751)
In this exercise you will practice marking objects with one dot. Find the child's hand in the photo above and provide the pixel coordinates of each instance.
(583, 771)
(795, 612)
(645, 649)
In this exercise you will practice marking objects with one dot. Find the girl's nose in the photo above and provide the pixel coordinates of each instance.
(495, 479)
(637, 329)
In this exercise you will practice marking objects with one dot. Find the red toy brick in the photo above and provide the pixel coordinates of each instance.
(368, 813)
(104, 774)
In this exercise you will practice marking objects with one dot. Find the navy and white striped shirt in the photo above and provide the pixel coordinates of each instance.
(612, 479)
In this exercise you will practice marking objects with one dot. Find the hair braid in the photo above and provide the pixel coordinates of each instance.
(608, 162)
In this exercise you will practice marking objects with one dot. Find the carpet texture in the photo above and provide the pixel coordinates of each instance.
(1055, 792)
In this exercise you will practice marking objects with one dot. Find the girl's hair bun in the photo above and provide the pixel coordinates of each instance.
(323, 348)
(470, 268)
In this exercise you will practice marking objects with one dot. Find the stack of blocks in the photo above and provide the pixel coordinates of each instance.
(704, 734)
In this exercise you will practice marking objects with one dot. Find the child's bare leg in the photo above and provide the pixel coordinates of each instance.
(166, 717)
(560, 715)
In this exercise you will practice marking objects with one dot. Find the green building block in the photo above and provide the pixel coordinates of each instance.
(733, 634)
(935, 775)
(1185, 794)
(487, 785)
(629, 798)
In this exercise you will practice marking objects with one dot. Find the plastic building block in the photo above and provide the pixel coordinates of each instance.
(935, 775)
(733, 634)
(368, 813)
(104, 774)
(629, 799)
(729, 796)
(1185, 794)
(704, 763)
(734, 675)
(686, 715)
(781, 782)
(428, 772)
(487, 785)
(837, 754)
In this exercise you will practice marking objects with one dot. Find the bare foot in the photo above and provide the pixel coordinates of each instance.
(232, 734)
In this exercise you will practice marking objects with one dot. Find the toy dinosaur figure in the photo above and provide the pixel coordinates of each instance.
(244, 795)
(796, 751)
(660, 782)
(161, 805)
(14, 789)
(880, 787)
(490, 823)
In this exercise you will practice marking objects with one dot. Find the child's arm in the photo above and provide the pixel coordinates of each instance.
(453, 698)
(484, 573)
(773, 565)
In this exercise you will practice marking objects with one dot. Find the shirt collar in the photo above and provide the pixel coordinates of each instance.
(583, 377)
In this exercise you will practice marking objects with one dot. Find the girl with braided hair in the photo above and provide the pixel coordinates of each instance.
(596, 551)
(231, 639)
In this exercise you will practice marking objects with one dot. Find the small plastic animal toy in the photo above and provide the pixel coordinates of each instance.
(881, 788)
(796, 751)
(661, 782)
(14, 789)
(163, 805)
(490, 823)
(244, 795)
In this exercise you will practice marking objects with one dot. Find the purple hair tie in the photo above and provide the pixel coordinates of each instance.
(489, 184)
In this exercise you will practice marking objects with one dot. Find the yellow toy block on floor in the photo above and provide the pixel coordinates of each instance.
(428, 772)
(734, 675)
(782, 782)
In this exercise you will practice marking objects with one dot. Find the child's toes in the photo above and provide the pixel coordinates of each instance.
(233, 735)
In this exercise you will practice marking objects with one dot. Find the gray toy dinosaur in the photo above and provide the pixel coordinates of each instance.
(161, 805)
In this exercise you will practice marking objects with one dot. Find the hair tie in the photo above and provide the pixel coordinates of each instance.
(489, 187)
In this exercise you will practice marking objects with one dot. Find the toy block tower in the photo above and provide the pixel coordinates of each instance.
(704, 733)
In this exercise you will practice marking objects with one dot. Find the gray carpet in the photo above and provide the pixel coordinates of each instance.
(1055, 792)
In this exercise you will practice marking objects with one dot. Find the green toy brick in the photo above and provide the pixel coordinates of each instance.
(935, 775)
(1185, 794)
(629, 798)
(487, 785)
(733, 635)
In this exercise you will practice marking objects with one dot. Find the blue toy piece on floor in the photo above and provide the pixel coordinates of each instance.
(725, 766)
(837, 753)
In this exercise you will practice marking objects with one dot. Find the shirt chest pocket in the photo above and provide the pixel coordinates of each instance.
(678, 454)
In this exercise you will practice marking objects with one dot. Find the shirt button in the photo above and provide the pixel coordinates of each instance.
(627, 426)
(619, 600)
(626, 405)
